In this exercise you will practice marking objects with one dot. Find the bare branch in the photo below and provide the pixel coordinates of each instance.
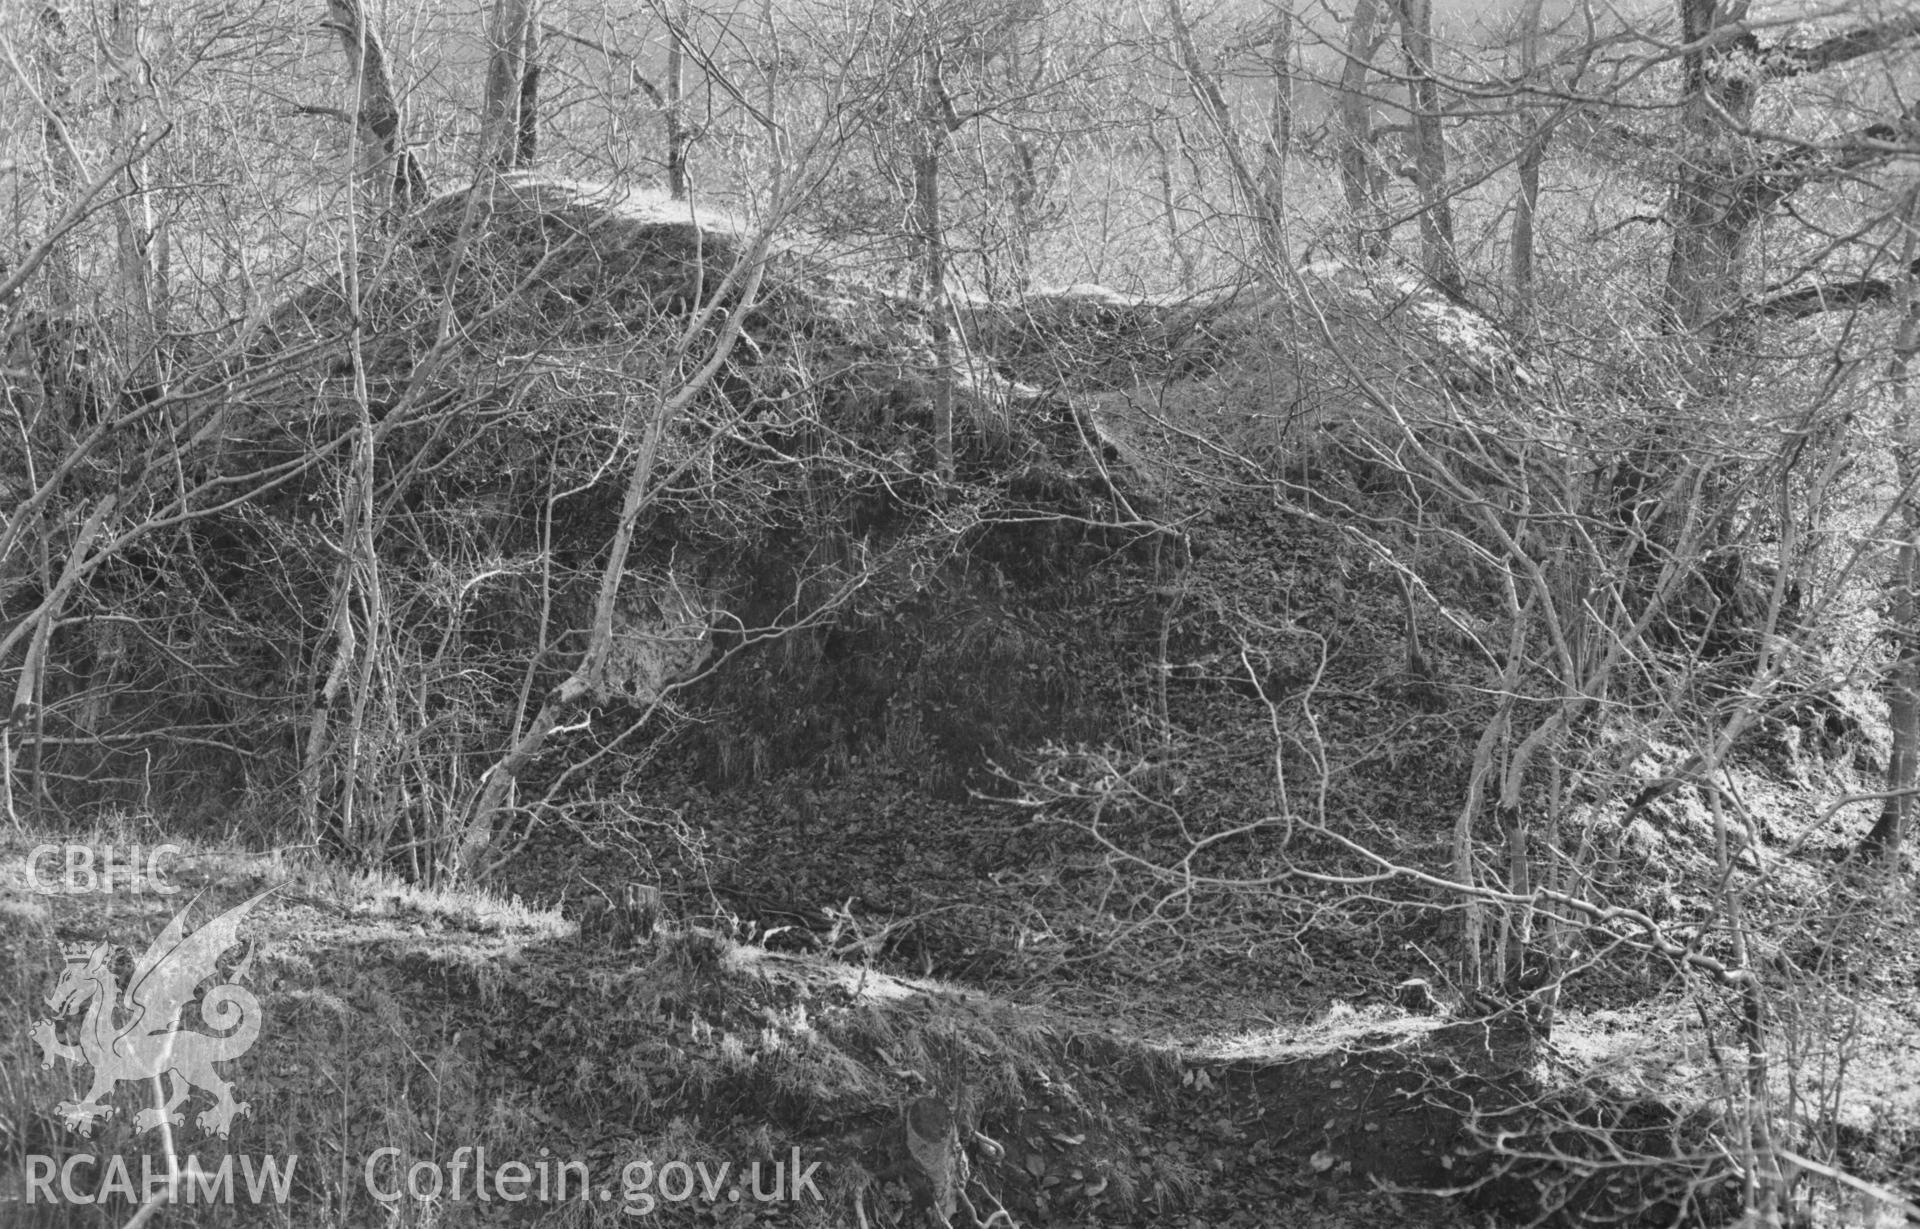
(1789, 61)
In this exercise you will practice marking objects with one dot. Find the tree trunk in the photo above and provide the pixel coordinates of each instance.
(1356, 130)
(37, 630)
(362, 825)
(1533, 152)
(1280, 113)
(1026, 166)
(936, 123)
(1902, 686)
(136, 313)
(527, 133)
(1206, 88)
(1169, 208)
(64, 176)
(1902, 689)
(391, 174)
(1437, 253)
(674, 113)
(1725, 188)
(512, 53)
(1711, 234)
(933, 251)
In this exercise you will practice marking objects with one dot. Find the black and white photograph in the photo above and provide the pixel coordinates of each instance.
(986, 614)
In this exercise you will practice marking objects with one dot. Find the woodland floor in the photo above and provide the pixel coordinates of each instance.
(406, 1017)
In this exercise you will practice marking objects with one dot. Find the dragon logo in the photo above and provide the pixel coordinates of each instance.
(149, 1042)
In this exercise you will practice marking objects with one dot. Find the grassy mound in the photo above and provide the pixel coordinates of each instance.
(1177, 705)
(459, 416)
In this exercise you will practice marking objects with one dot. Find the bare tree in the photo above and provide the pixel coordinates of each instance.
(935, 120)
(673, 106)
(510, 111)
(670, 100)
(1712, 227)
(1438, 256)
(139, 317)
(1356, 157)
(1279, 143)
(1727, 184)
(48, 52)
(1902, 686)
(952, 67)
(390, 173)
(1533, 152)
(1261, 204)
